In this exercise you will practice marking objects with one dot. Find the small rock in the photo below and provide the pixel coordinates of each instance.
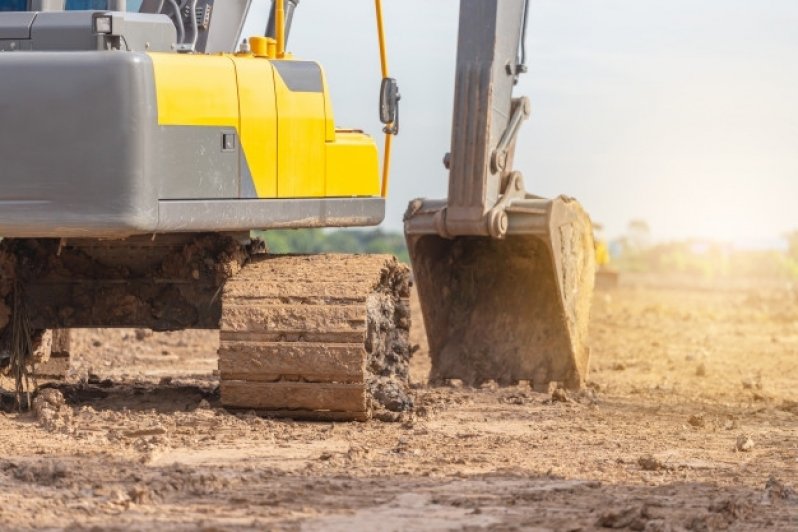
(651, 463)
(744, 443)
(701, 370)
(697, 420)
(204, 405)
(632, 517)
(775, 490)
(149, 431)
(490, 385)
(48, 397)
(141, 334)
(559, 396)
(51, 410)
(139, 494)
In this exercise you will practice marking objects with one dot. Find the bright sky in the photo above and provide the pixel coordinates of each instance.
(679, 112)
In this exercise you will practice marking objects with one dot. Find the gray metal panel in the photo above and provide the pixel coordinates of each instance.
(487, 44)
(247, 184)
(19, 45)
(300, 76)
(74, 146)
(243, 215)
(190, 163)
(73, 30)
(226, 24)
(145, 32)
(16, 25)
(64, 30)
(47, 5)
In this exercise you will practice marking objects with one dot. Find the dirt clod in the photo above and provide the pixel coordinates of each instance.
(697, 421)
(775, 490)
(559, 395)
(631, 517)
(651, 463)
(744, 443)
(51, 410)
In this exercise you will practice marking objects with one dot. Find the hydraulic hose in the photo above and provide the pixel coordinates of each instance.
(181, 29)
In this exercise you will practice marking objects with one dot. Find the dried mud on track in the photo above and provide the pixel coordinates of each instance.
(691, 422)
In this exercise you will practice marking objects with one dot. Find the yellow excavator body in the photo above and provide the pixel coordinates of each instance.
(275, 123)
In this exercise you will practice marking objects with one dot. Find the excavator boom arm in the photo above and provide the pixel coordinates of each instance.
(487, 69)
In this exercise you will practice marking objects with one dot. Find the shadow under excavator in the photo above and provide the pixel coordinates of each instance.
(114, 395)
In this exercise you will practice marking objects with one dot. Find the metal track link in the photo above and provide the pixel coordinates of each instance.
(299, 333)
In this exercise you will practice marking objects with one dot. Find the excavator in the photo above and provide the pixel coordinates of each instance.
(144, 141)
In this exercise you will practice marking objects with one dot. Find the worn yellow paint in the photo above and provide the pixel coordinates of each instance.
(288, 138)
(258, 128)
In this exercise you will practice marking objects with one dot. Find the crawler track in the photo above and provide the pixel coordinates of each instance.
(320, 337)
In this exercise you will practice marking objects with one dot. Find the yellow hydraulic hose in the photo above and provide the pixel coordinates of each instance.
(279, 27)
(381, 35)
(386, 163)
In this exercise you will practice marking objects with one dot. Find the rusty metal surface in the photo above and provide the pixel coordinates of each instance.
(165, 286)
(512, 309)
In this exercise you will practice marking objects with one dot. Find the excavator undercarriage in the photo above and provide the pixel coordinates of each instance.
(321, 337)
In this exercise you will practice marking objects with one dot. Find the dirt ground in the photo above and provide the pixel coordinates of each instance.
(690, 422)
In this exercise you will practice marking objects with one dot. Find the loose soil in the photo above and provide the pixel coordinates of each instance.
(690, 422)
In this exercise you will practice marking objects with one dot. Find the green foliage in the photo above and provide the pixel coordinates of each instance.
(335, 241)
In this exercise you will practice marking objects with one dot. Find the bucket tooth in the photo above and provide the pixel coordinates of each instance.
(512, 309)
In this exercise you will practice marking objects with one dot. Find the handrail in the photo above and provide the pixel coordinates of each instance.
(279, 27)
(386, 162)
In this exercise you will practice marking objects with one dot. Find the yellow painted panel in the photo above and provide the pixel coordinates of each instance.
(195, 90)
(353, 167)
(258, 122)
(300, 142)
(285, 135)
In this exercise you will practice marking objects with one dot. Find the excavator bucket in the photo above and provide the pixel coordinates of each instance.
(505, 278)
(511, 309)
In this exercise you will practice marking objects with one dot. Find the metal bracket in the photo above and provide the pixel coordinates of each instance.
(497, 218)
(522, 108)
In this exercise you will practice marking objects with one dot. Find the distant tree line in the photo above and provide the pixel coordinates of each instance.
(712, 260)
(336, 241)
